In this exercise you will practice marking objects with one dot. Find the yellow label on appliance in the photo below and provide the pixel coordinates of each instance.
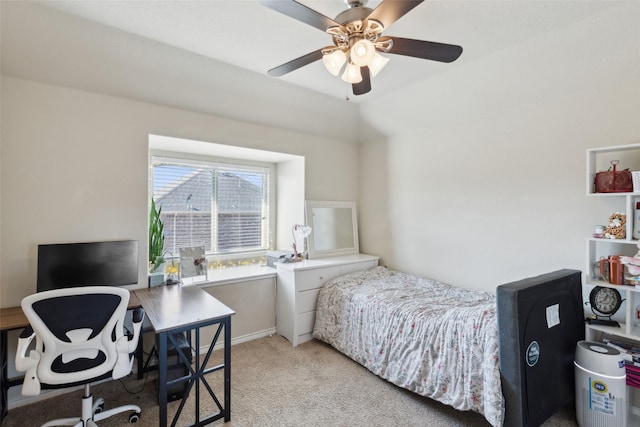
(599, 386)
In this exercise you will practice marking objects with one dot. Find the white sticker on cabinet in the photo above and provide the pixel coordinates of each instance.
(553, 315)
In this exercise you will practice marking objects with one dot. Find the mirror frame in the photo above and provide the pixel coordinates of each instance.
(313, 253)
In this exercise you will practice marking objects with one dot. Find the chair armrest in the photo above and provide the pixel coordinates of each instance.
(126, 346)
(28, 365)
(138, 318)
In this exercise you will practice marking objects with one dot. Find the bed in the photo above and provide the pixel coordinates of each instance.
(471, 350)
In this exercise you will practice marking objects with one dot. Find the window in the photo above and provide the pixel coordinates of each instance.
(225, 207)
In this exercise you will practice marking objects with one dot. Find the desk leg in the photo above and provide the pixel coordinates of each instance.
(227, 369)
(4, 381)
(140, 356)
(196, 376)
(162, 378)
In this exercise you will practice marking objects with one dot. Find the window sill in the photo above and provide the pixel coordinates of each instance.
(229, 275)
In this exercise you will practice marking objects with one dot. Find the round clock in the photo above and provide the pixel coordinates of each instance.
(605, 301)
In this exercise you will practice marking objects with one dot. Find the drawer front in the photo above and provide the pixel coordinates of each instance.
(307, 300)
(350, 268)
(305, 322)
(315, 278)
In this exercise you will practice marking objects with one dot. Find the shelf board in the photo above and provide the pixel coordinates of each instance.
(614, 148)
(621, 241)
(599, 282)
(613, 330)
(620, 193)
(618, 331)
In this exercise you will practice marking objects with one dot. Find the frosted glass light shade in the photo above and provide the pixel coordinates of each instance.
(352, 74)
(334, 61)
(362, 52)
(377, 63)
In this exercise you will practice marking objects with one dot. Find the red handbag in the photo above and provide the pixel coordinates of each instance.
(613, 181)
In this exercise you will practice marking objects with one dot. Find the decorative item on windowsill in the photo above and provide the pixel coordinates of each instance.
(171, 271)
(616, 228)
(303, 231)
(193, 264)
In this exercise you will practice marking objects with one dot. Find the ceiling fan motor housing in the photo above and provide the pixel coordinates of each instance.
(354, 26)
(355, 3)
(353, 14)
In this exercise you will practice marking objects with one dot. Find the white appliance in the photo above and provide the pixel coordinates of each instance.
(601, 390)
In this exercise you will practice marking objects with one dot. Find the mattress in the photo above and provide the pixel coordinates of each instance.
(428, 337)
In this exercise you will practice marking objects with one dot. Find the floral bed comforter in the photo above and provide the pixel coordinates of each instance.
(425, 336)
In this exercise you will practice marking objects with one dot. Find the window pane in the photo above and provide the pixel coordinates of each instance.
(239, 209)
(219, 206)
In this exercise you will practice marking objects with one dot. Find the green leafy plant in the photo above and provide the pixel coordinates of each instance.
(156, 237)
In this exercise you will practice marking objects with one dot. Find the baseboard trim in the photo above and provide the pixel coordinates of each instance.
(238, 340)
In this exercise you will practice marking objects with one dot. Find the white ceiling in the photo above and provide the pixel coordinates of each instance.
(246, 34)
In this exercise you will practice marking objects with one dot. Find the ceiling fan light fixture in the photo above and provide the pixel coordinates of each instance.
(377, 63)
(334, 61)
(362, 52)
(352, 74)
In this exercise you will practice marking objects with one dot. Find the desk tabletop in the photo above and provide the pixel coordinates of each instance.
(167, 307)
(12, 318)
(175, 306)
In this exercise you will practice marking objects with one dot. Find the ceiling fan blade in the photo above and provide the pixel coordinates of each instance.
(300, 12)
(426, 50)
(365, 85)
(389, 11)
(296, 63)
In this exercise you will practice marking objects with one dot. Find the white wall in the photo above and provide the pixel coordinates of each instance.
(42, 44)
(74, 168)
(477, 176)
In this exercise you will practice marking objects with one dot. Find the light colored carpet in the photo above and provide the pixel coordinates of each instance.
(274, 384)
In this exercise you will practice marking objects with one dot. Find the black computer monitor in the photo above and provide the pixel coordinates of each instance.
(65, 265)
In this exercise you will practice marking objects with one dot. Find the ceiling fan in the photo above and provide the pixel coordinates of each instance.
(357, 39)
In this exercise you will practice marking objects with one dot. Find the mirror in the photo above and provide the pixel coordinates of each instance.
(193, 265)
(334, 228)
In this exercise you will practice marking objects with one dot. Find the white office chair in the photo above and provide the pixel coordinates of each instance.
(79, 339)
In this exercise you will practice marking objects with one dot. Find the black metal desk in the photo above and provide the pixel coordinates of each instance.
(176, 309)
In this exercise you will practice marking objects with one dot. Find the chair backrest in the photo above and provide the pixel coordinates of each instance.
(76, 331)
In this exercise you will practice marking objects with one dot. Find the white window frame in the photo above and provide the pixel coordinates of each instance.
(195, 159)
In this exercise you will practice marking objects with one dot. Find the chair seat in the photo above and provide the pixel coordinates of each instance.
(68, 385)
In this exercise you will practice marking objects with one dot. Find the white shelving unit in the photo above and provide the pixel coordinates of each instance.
(599, 159)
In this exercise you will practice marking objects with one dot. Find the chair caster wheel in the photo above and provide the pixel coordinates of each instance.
(133, 418)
